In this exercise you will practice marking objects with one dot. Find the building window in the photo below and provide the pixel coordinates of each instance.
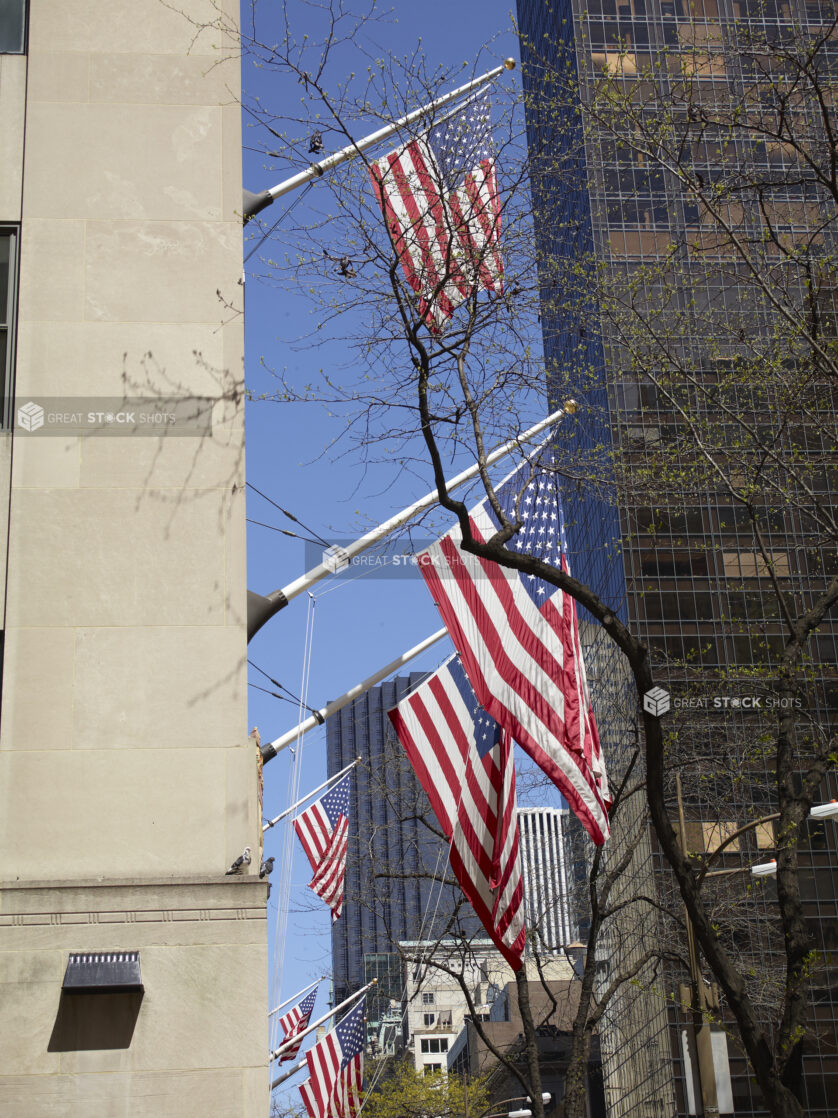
(765, 836)
(428, 1019)
(8, 302)
(432, 1069)
(434, 1044)
(718, 832)
(427, 999)
(12, 26)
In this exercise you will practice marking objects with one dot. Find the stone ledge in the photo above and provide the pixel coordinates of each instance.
(131, 882)
(133, 901)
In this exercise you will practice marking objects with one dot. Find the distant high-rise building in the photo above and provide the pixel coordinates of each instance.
(547, 884)
(394, 862)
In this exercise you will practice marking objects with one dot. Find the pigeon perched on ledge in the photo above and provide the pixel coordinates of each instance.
(267, 867)
(240, 862)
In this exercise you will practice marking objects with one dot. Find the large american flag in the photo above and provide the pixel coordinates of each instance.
(323, 829)
(518, 637)
(336, 1069)
(294, 1022)
(439, 196)
(464, 762)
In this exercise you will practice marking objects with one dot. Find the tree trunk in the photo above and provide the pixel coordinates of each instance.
(530, 1041)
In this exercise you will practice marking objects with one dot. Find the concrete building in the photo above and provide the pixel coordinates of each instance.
(469, 1056)
(436, 1007)
(128, 783)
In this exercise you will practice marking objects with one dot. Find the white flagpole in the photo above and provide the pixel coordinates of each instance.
(320, 1020)
(261, 609)
(271, 748)
(272, 822)
(287, 1075)
(254, 203)
(299, 994)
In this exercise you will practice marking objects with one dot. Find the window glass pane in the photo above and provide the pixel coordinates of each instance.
(716, 833)
(12, 22)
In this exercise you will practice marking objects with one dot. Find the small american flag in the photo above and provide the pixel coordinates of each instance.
(336, 1069)
(294, 1022)
(518, 637)
(439, 196)
(323, 829)
(464, 762)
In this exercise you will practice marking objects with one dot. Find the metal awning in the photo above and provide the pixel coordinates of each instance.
(107, 972)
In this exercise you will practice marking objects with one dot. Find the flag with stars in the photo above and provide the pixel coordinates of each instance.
(294, 1022)
(336, 1069)
(323, 829)
(464, 763)
(518, 637)
(439, 197)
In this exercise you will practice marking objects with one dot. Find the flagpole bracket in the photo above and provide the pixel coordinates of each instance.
(252, 203)
(261, 609)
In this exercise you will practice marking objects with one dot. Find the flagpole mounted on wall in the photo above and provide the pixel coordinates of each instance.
(271, 748)
(253, 203)
(261, 608)
(316, 1025)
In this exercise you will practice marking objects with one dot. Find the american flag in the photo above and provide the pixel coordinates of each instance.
(464, 762)
(439, 196)
(323, 830)
(294, 1022)
(518, 637)
(336, 1069)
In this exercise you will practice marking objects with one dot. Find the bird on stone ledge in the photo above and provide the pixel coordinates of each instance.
(267, 867)
(240, 862)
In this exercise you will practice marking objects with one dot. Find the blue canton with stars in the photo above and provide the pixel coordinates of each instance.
(461, 142)
(542, 534)
(336, 801)
(486, 730)
(351, 1033)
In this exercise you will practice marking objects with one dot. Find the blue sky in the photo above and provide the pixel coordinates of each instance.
(357, 626)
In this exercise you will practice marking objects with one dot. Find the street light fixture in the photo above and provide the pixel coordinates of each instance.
(527, 1113)
(765, 869)
(824, 811)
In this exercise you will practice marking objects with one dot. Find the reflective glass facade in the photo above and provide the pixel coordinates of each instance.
(687, 575)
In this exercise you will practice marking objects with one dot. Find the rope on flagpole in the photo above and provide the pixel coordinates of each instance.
(287, 840)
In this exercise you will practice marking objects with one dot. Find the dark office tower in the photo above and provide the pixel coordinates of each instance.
(687, 264)
(395, 864)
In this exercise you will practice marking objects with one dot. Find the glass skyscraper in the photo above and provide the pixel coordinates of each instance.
(687, 575)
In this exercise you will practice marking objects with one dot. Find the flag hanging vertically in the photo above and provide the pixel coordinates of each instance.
(323, 829)
(518, 637)
(464, 762)
(336, 1069)
(294, 1022)
(439, 196)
